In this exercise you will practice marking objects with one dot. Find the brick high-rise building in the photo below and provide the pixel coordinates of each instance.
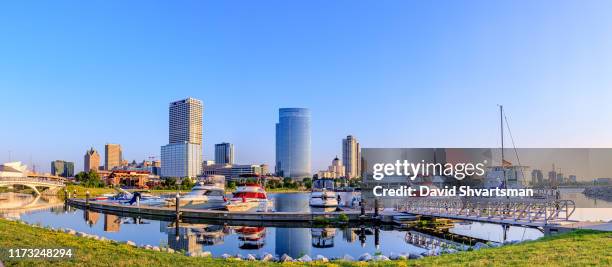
(112, 156)
(91, 160)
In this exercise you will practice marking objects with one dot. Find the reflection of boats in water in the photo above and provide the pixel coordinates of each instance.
(250, 196)
(323, 237)
(200, 193)
(323, 194)
(251, 237)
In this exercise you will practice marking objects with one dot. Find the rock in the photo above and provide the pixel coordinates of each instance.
(205, 254)
(393, 256)
(413, 256)
(81, 234)
(480, 245)
(156, 248)
(267, 257)
(250, 257)
(226, 256)
(103, 238)
(130, 243)
(380, 258)
(321, 258)
(285, 258)
(494, 244)
(365, 257)
(305, 258)
(192, 254)
(239, 256)
(348, 257)
(169, 250)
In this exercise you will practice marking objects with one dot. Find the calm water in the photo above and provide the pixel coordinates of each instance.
(294, 240)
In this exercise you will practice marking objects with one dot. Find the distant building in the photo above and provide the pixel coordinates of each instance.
(552, 177)
(560, 178)
(182, 156)
(181, 160)
(293, 143)
(603, 181)
(351, 157)
(224, 153)
(537, 177)
(335, 170)
(112, 156)
(137, 179)
(14, 170)
(91, 160)
(62, 168)
(572, 179)
(235, 171)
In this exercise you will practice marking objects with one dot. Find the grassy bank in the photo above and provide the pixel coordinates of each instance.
(578, 248)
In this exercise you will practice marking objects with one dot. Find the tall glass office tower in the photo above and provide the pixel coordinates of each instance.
(293, 143)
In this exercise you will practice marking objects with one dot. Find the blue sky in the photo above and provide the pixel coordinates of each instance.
(75, 74)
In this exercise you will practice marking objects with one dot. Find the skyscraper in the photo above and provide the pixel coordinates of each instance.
(62, 168)
(112, 156)
(351, 157)
(91, 160)
(224, 153)
(182, 156)
(293, 143)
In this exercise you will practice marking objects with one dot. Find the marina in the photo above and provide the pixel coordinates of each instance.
(294, 232)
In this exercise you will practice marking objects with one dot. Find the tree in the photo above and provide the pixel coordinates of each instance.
(89, 179)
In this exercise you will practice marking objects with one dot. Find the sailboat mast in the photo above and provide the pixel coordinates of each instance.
(501, 128)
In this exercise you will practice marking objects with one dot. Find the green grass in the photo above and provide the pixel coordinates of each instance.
(578, 248)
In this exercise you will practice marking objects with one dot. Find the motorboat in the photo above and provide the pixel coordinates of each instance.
(200, 193)
(248, 197)
(323, 194)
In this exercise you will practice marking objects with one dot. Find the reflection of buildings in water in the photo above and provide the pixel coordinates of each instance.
(251, 237)
(349, 235)
(191, 237)
(184, 241)
(112, 223)
(211, 235)
(91, 217)
(323, 237)
(294, 242)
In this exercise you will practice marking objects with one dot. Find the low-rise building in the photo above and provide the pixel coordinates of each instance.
(137, 179)
(233, 172)
(335, 170)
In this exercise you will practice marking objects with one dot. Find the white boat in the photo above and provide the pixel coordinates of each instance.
(200, 193)
(323, 194)
(249, 197)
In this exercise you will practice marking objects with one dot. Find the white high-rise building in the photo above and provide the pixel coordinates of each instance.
(181, 160)
(351, 157)
(182, 157)
(224, 153)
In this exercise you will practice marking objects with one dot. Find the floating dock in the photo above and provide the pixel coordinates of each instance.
(219, 215)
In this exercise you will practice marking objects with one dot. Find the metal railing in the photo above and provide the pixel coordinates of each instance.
(31, 180)
(542, 211)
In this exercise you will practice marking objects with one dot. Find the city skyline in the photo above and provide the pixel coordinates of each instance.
(392, 74)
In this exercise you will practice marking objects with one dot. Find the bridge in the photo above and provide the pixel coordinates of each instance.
(510, 211)
(51, 184)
